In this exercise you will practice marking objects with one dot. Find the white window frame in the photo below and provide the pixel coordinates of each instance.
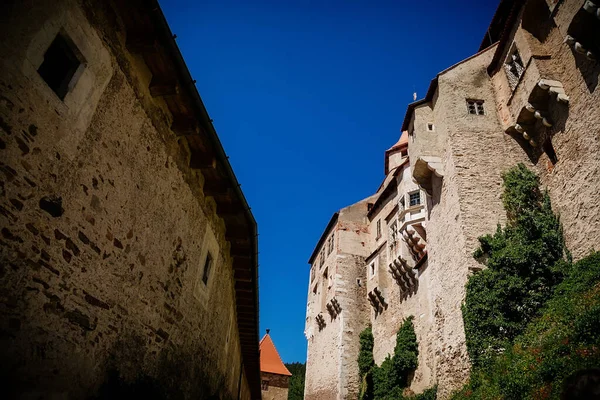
(410, 202)
(476, 105)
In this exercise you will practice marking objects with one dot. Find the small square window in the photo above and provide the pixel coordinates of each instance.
(401, 203)
(207, 268)
(415, 198)
(59, 65)
(475, 107)
(430, 127)
(264, 385)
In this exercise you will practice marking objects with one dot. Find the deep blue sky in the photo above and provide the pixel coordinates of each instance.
(306, 96)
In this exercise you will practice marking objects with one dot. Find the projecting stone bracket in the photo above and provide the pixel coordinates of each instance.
(333, 308)
(425, 169)
(414, 237)
(403, 274)
(320, 322)
(377, 301)
(546, 103)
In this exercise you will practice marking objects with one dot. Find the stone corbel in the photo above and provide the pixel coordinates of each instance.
(425, 169)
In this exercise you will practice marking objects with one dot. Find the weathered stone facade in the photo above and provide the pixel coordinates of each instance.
(529, 95)
(274, 386)
(128, 256)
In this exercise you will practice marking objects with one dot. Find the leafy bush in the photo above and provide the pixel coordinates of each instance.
(532, 317)
(563, 340)
(524, 263)
(387, 382)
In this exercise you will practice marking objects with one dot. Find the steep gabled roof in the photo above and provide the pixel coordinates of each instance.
(269, 358)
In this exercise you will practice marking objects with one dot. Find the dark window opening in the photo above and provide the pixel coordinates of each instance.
(264, 385)
(378, 228)
(475, 107)
(415, 199)
(430, 127)
(207, 268)
(403, 153)
(59, 65)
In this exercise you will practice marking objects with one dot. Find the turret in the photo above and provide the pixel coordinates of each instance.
(396, 154)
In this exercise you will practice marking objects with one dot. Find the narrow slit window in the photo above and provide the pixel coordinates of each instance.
(475, 107)
(60, 65)
(378, 228)
(207, 268)
(430, 127)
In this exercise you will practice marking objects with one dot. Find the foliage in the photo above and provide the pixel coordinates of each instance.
(366, 363)
(387, 381)
(524, 263)
(365, 354)
(296, 388)
(565, 339)
(406, 353)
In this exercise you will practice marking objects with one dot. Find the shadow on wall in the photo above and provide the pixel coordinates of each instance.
(131, 371)
(584, 33)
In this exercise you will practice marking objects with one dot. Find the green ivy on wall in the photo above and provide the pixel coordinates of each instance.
(387, 382)
(532, 317)
(524, 263)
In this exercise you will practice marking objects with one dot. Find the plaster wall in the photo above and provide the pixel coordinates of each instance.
(106, 297)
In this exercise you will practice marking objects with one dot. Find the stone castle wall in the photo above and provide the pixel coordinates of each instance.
(276, 388)
(101, 292)
(471, 153)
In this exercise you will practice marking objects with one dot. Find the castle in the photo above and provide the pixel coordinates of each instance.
(128, 253)
(529, 95)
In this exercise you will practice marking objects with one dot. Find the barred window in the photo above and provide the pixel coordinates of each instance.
(475, 107)
(514, 68)
(415, 198)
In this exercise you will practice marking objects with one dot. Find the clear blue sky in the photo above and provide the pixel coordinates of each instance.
(306, 96)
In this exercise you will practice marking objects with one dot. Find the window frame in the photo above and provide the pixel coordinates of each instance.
(60, 53)
(514, 67)
(378, 229)
(477, 105)
(410, 198)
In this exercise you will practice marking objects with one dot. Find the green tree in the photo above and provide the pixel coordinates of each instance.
(387, 381)
(296, 388)
(524, 263)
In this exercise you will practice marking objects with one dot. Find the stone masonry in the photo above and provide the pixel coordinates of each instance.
(121, 273)
(530, 95)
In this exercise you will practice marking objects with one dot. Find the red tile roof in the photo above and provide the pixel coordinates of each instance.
(269, 358)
